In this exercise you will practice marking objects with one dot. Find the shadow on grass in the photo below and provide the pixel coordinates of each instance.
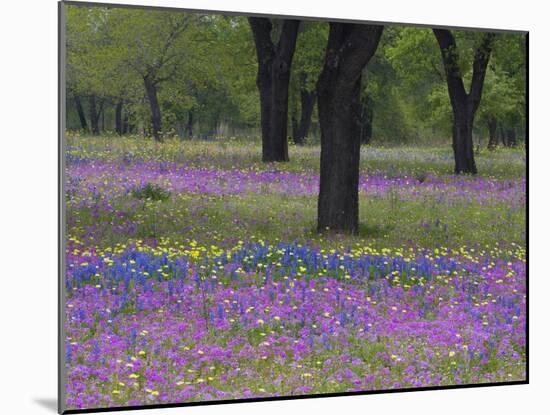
(373, 231)
(366, 231)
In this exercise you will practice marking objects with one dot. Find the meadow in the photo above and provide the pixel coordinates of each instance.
(195, 272)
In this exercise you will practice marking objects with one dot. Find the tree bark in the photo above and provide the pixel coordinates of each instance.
(152, 96)
(294, 122)
(81, 114)
(189, 125)
(366, 120)
(492, 127)
(349, 49)
(118, 118)
(102, 112)
(464, 104)
(307, 101)
(125, 123)
(511, 137)
(274, 63)
(94, 115)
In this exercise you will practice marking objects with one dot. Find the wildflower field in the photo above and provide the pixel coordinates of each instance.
(194, 273)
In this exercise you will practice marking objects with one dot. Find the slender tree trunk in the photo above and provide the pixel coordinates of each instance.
(464, 104)
(492, 127)
(94, 115)
(307, 102)
(189, 125)
(102, 117)
(152, 96)
(294, 122)
(501, 135)
(366, 120)
(118, 118)
(511, 137)
(274, 63)
(81, 114)
(349, 48)
(125, 123)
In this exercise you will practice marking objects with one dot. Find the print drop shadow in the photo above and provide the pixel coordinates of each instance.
(48, 403)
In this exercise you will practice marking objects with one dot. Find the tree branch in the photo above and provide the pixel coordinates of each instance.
(261, 31)
(481, 59)
(455, 83)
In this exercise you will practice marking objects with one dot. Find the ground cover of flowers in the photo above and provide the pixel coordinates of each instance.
(211, 286)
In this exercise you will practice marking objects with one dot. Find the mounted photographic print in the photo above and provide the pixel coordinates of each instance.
(256, 207)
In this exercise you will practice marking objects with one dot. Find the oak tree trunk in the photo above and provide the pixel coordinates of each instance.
(118, 118)
(349, 48)
(366, 120)
(463, 143)
(464, 104)
(189, 125)
(274, 63)
(126, 123)
(81, 114)
(307, 102)
(94, 115)
(152, 96)
(511, 137)
(493, 139)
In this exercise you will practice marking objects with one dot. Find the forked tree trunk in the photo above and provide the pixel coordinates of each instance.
(349, 48)
(81, 114)
(464, 104)
(274, 63)
(492, 127)
(118, 118)
(152, 96)
(94, 115)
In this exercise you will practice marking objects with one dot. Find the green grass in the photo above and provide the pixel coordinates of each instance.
(272, 217)
(504, 163)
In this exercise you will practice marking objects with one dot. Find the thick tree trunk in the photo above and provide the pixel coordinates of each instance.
(118, 118)
(463, 143)
(94, 115)
(152, 96)
(274, 63)
(339, 115)
(464, 104)
(307, 102)
(273, 86)
(492, 127)
(81, 114)
(349, 49)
